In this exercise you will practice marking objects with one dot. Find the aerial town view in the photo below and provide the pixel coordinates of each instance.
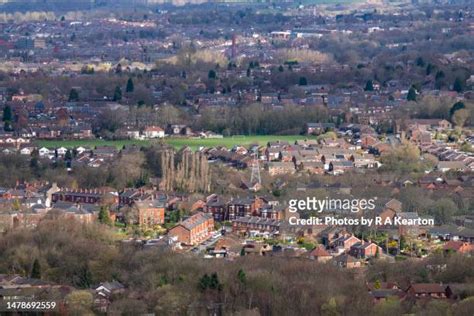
(237, 157)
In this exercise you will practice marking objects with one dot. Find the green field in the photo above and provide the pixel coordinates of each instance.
(194, 143)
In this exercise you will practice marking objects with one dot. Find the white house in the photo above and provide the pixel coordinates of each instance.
(133, 134)
(61, 151)
(80, 150)
(154, 132)
(43, 151)
(26, 151)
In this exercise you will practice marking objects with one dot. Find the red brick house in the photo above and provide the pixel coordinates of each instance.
(319, 254)
(428, 290)
(365, 250)
(345, 242)
(151, 212)
(218, 209)
(193, 230)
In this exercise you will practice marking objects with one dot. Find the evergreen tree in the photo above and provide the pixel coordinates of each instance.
(439, 75)
(130, 85)
(303, 81)
(458, 85)
(457, 106)
(212, 74)
(34, 164)
(73, 95)
(429, 69)
(209, 282)
(214, 283)
(242, 276)
(118, 69)
(36, 270)
(7, 118)
(68, 155)
(104, 216)
(7, 114)
(411, 94)
(369, 86)
(420, 62)
(439, 79)
(204, 282)
(118, 94)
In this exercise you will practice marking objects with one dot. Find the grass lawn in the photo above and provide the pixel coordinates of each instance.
(194, 143)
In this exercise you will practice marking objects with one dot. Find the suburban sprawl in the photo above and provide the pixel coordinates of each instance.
(238, 158)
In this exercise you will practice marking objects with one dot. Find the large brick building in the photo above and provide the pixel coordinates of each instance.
(85, 196)
(150, 212)
(194, 230)
(243, 207)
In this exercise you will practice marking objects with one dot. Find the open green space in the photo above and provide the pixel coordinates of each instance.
(176, 142)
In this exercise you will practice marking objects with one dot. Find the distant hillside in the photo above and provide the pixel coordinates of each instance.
(35, 3)
(73, 5)
(47, 5)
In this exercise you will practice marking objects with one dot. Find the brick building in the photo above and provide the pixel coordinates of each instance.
(85, 196)
(253, 223)
(365, 250)
(194, 230)
(243, 207)
(151, 212)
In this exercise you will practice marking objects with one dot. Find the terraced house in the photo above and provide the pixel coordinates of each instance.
(193, 230)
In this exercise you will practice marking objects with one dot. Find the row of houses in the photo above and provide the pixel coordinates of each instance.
(450, 159)
(27, 204)
(227, 210)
